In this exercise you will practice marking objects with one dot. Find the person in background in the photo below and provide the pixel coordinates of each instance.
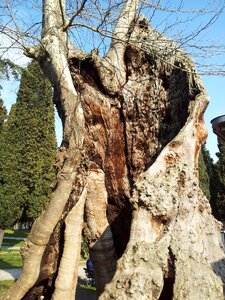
(89, 265)
(89, 271)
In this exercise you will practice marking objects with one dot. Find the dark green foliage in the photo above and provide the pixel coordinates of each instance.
(212, 179)
(3, 114)
(10, 188)
(84, 249)
(218, 183)
(28, 150)
(7, 68)
(204, 177)
(208, 180)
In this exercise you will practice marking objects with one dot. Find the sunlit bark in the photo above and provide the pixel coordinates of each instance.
(98, 232)
(133, 126)
(66, 282)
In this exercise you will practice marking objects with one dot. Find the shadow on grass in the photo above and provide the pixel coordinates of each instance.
(5, 265)
(16, 233)
(5, 285)
(11, 243)
(10, 259)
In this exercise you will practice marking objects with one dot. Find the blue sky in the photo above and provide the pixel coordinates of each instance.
(215, 85)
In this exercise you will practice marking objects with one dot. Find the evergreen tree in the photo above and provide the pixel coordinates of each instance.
(212, 179)
(205, 166)
(218, 185)
(8, 69)
(11, 190)
(3, 114)
(29, 148)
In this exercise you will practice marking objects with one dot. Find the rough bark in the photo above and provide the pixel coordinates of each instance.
(146, 139)
(133, 126)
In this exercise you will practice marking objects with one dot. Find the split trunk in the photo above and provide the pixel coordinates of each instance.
(128, 180)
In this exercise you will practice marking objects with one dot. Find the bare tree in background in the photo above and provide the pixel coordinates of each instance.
(127, 167)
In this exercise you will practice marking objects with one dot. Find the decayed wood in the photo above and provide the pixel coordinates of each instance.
(171, 212)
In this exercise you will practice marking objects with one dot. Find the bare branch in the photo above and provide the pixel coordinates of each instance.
(75, 15)
(157, 7)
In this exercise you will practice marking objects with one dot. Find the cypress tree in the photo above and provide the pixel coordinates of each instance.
(11, 190)
(204, 170)
(212, 179)
(35, 116)
(3, 114)
(218, 186)
(30, 146)
(8, 68)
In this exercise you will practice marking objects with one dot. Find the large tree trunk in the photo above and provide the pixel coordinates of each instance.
(133, 126)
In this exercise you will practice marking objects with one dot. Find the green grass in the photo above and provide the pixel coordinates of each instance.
(5, 285)
(16, 233)
(11, 243)
(88, 287)
(10, 259)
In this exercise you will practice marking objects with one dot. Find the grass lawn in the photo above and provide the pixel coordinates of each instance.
(87, 287)
(10, 259)
(5, 285)
(11, 243)
(16, 233)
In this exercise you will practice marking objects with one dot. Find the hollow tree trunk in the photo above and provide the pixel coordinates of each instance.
(133, 126)
(146, 138)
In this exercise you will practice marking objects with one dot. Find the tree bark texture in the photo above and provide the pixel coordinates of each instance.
(128, 162)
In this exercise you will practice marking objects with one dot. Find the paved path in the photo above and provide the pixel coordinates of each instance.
(11, 274)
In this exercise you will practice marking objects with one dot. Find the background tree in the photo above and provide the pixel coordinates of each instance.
(11, 191)
(128, 164)
(37, 143)
(27, 150)
(3, 114)
(218, 183)
(204, 176)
